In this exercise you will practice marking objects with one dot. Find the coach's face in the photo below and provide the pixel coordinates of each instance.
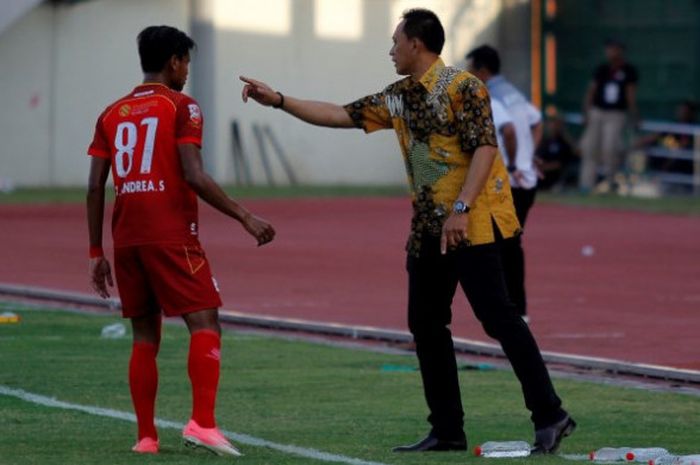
(403, 51)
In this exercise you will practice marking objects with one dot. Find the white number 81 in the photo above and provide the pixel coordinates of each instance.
(125, 142)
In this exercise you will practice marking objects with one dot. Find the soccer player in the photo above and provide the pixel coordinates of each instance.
(462, 206)
(151, 139)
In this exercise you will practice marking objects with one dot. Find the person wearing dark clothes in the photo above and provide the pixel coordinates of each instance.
(611, 97)
(554, 155)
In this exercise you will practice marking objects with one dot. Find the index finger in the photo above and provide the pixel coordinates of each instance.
(248, 80)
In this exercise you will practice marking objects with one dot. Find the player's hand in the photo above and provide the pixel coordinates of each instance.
(454, 231)
(259, 229)
(101, 276)
(260, 92)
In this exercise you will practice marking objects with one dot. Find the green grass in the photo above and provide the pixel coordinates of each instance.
(676, 205)
(76, 195)
(310, 395)
(673, 204)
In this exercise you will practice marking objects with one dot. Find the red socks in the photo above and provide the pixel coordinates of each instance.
(203, 366)
(143, 383)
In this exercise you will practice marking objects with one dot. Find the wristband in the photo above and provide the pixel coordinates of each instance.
(96, 251)
(281, 104)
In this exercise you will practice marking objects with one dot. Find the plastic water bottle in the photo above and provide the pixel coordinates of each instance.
(643, 455)
(610, 454)
(676, 460)
(503, 449)
(114, 331)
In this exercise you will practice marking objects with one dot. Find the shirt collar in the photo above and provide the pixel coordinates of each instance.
(150, 84)
(497, 79)
(431, 76)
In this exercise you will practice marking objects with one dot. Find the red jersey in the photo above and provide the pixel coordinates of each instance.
(139, 134)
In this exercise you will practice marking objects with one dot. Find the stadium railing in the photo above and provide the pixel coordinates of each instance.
(689, 180)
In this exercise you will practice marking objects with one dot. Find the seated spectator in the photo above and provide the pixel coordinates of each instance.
(554, 155)
(686, 113)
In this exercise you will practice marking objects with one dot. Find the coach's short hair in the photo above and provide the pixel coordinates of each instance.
(157, 44)
(487, 57)
(423, 24)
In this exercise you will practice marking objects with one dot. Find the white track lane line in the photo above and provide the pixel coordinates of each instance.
(237, 437)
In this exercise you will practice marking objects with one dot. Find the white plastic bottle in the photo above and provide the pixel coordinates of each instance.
(610, 454)
(644, 454)
(503, 449)
(114, 331)
(676, 460)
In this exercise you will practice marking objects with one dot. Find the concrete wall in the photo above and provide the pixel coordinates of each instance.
(299, 59)
(62, 63)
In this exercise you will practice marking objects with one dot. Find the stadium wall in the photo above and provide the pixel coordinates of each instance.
(63, 62)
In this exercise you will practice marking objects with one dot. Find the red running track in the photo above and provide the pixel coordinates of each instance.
(636, 298)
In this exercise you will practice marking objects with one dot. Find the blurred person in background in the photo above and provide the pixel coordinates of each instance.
(555, 155)
(610, 99)
(484, 62)
(686, 113)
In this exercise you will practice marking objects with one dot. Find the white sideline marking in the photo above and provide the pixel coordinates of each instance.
(241, 438)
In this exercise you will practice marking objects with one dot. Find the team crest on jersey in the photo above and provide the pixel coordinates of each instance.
(124, 110)
(195, 114)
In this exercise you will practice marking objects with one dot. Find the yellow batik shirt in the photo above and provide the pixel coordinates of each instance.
(440, 121)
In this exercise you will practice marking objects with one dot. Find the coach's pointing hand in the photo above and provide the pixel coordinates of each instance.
(260, 92)
(259, 228)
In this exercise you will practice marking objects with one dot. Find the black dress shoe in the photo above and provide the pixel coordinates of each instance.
(547, 439)
(432, 444)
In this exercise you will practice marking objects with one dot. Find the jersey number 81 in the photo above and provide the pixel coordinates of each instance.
(125, 141)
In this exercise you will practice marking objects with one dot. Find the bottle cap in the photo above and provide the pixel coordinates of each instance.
(477, 451)
(629, 456)
(591, 455)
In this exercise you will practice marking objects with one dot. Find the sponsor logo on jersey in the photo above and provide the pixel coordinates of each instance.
(195, 114)
(124, 110)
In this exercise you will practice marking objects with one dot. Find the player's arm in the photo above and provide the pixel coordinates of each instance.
(510, 142)
(100, 272)
(537, 131)
(209, 191)
(317, 113)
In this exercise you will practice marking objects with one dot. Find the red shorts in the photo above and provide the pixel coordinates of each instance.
(174, 278)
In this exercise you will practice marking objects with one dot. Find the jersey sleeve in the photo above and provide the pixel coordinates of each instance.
(99, 147)
(471, 105)
(370, 113)
(188, 123)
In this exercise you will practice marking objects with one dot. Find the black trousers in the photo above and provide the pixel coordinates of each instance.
(433, 281)
(513, 253)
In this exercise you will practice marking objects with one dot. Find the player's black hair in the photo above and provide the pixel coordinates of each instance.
(157, 44)
(424, 25)
(487, 57)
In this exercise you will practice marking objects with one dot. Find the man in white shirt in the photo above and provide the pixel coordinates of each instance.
(485, 64)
